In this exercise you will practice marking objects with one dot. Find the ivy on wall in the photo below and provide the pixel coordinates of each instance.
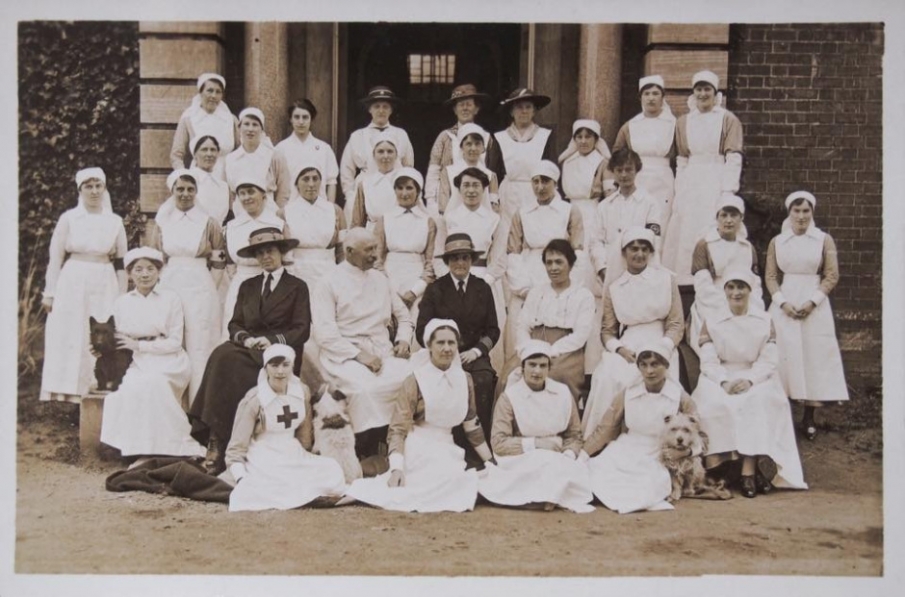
(78, 107)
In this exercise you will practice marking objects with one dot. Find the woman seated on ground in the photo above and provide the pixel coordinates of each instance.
(640, 307)
(741, 402)
(427, 470)
(560, 313)
(537, 438)
(144, 416)
(628, 476)
(269, 457)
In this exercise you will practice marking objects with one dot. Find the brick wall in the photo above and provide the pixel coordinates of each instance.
(810, 99)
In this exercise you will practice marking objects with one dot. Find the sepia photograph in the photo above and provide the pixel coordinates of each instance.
(451, 297)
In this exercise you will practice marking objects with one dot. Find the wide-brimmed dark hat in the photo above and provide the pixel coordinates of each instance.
(523, 94)
(380, 94)
(264, 237)
(457, 244)
(466, 91)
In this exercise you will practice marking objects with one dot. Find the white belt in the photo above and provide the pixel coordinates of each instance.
(303, 254)
(706, 159)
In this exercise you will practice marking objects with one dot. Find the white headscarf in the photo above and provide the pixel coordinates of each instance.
(469, 128)
(98, 173)
(812, 230)
(572, 150)
(711, 78)
(266, 394)
(376, 140)
(294, 191)
(168, 208)
(198, 114)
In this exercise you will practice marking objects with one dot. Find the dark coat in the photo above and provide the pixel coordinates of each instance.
(285, 317)
(475, 315)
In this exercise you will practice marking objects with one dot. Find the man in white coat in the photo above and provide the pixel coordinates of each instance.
(352, 310)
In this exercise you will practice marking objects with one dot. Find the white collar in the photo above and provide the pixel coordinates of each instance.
(266, 394)
(154, 292)
(627, 276)
(556, 204)
(277, 274)
(727, 314)
(670, 390)
(456, 281)
(812, 232)
(665, 115)
(713, 235)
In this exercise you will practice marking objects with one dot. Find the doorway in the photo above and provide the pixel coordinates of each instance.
(421, 63)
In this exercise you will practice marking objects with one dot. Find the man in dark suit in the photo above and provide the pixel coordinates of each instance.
(467, 300)
(271, 308)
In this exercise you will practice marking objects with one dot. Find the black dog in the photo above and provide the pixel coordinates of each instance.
(112, 363)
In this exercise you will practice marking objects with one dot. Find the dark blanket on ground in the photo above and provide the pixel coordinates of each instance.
(171, 476)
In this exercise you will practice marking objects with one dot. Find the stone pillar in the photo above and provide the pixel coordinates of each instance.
(599, 76)
(555, 63)
(266, 75)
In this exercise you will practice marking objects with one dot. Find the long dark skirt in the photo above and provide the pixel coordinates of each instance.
(231, 371)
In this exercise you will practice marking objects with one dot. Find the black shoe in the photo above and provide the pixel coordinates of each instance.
(213, 462)
(765, 472)
(810, 431)
(749, 488)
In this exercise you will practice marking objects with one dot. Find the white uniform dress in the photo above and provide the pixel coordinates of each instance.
(537, 475)
(279, 472)
(519, 157)
(358, 155)
(725, 256)
(257, 165)
(237, 232)
(434, 466)
(709, 145)
(145, 416)
(374, 196)
(188, 239)
(643, 304)
(577, 179)
(291, 153)
(350, 312)
(405, 240)
(196, 122)
(757, 422)
(628, 476)
(810, 365)
(652, 139)
(82, 285)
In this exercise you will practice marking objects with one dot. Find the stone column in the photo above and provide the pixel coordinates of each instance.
(599, 76)
(267, 75)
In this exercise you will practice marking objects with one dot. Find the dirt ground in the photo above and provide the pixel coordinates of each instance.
(67, 523)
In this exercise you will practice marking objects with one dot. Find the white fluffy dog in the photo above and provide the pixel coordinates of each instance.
(333, 436)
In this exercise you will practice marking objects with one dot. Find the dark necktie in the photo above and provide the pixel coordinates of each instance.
(267, 287)
(461, 289)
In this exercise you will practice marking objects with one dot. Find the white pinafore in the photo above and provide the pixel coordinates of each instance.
(641, 303)
(435, 475)
(627, 476)
(652, 138)
(539, 475)
(186, 273)
(698, 189)
(281, 474)
(379, 196)
(810, 365)
(519, 158)
(406, 240)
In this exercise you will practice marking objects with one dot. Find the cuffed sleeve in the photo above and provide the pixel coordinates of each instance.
(505, 439)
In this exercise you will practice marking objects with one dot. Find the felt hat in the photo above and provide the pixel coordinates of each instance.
(265, 237)
(459, 243)
(525, 94)
(466, 91)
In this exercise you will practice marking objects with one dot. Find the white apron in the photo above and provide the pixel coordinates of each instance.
(213, 195)
(406, 241)
(281, 474)
(84, 288)
(145, 416)
(519, 158)
(710, 299)
(652, 138)
(435, 475)
(628, 476)
(698, 189)
(379, 196)
(220, 125)
(810, 365)
(540, 225)
(642, 303)
(757, 422)
(539, 476)
(190, 278)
